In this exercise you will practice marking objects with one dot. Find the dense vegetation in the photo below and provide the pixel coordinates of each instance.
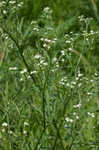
(49, 75)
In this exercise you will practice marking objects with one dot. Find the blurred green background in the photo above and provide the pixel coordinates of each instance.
(62, 9)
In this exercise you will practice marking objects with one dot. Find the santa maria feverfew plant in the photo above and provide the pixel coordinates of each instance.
(49, 81)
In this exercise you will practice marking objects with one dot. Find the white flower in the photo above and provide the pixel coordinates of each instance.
(12, 2)
(68, 41)
(79, 74)
(47, 40)
(3, 2)
(53, 42)
(54, 59)
(10, 132)
(45, 64)
(53, 70)
(77, 78)
(91, 80)
(79, 85)
(13, 68)
(3, 130)
(4, 124)
(77, 106)
(57, 65)
(68, 119)
(42, 61)
(91, 32)
(24, 132)
(46, 9)
(77, 117)
(4, 11)
(54, 39)
(48, 47)
(89, 93)
(66, 126)
(21, 79)
(36, 29)
(23, 71)
(68, 84)
(20, 4)
(88, 113)
(96, 74)
(33, 72)
(63, 53)
(42, 39)
(62, 83)
(37, 56)
(74, 83)
(62, 60)
(74, 113)
(70, 49)
(26, 124)
(29, 77)
(33, 22)
(45, 45)
(71, 120)
(93, 115)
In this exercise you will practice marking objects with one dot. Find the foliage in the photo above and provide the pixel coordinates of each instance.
(49, 76)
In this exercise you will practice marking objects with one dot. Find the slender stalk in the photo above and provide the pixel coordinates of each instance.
(20, 50)
(44, 115)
